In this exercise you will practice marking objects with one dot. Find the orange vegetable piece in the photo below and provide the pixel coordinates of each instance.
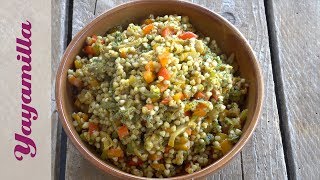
(201, 106)
(123, 131)
(123, 54)
(150, 106)
(89, 50)
(155, 157)
(164, 73)
(115, 153)
(93, 127)
(178, 96)
(162, 86)
(214, 95)
(148, 76)
(92, 40)
(148, 21)
(75, 81)
(166, 100)
(200, 95)
(188, 131)
(167, 31)
(149, 66)
(226, 146)
(187, 35)
(148, 28)
(200, 110)
(164, 58)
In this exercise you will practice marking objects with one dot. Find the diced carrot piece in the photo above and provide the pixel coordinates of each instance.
(162, 86)
(167, 31)
(114, 153)
(149, 66)
(148, 28)
(214, 95)
(188, 131)
(166, 100)
(148, 76)
(200, 110)
(91, 40)
(187, 35)
(164, 73)
(226, 146)
(150, 106)
(155, 157)
(75, 81)
(178, 96)
(93, 127)
(123, 131)
(200, 95)
(89, 50)
(201, 106)
(123, 54)
(148, 21)
(164, 58)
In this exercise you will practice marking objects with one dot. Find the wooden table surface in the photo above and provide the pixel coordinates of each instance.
(285, 37)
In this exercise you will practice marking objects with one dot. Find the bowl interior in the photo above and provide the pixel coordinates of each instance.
(206, 22)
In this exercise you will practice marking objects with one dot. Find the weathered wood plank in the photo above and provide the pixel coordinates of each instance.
(83, 13)
(256, 161)
(58, 44)
(296, 31)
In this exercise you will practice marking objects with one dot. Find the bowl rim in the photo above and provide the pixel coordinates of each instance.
(104, 166)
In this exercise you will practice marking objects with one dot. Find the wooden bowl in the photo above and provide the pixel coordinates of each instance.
(229, 39)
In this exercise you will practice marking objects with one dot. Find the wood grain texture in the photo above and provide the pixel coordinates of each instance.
(262, 157)
(58, 45)
(297, 32)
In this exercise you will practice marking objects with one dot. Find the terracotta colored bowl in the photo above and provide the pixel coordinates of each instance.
(229, 39)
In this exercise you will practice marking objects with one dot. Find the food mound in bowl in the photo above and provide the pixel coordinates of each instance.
(157, 99)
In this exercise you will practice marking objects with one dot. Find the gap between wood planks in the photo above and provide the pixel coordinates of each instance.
(63, 140)
(95, 8)
(280, 96)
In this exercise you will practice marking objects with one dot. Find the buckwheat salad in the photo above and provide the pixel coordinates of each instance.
(157, 99)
